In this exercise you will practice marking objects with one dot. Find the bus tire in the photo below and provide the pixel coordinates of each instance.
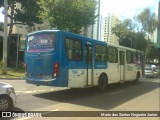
(102, 82)
(137, 78)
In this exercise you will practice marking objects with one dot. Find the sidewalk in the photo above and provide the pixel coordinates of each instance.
(13, 74)
(12, 78)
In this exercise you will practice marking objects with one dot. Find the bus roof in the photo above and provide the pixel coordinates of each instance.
(123, 47)
(42, 31)
(85, 38)
(72, 34)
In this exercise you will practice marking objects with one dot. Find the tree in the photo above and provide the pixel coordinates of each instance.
(128, 36)
(69, 15)
(26, 14)
(132, 33)
(152, 53)
(148, 21)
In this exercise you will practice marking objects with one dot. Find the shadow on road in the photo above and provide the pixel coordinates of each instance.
(17, 109)
(113, 96)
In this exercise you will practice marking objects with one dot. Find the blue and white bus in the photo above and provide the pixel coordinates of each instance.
(63, 59)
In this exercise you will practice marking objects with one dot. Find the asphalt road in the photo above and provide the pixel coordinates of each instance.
(143, 96)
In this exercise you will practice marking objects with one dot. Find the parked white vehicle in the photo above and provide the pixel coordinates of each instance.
(7, 96)
(151, 71)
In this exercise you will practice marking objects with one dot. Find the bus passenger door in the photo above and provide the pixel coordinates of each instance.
(122, 65)
(88, 55)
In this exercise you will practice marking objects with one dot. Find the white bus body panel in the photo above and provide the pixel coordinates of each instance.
(76, 78)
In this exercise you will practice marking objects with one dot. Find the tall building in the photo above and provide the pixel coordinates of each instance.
(93, 31)
(108, 23)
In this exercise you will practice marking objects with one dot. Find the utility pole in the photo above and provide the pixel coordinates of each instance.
(98, 22)
(18, 40)
(4, 71)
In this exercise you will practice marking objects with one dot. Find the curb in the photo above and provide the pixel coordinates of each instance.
(12, 78)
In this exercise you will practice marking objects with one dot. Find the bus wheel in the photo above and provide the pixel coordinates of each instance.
(102, 82)
(137, 78)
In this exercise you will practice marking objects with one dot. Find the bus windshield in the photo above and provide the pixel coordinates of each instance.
(43, 42)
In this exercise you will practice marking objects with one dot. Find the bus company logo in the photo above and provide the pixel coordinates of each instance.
(6, 114)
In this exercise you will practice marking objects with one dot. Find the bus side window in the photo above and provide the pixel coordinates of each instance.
(69, 54)
(138, 58)
(73, 49)
(77, 50)
(112, 55)
(128, 57)
(101, 53)
(134, 57)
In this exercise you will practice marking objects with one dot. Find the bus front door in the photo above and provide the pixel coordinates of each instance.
(89, 64)
(122, 65)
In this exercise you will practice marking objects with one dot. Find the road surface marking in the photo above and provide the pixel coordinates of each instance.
(34, 91)
(116, 92)
(38, 91)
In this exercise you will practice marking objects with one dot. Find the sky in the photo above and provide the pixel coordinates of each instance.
(123, 8)
(127, 8)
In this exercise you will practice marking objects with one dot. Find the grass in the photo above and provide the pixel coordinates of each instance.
(12, 72)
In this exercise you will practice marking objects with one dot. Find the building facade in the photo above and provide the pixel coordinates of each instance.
(108, 22)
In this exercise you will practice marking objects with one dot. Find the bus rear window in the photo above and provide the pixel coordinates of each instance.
(42, 42)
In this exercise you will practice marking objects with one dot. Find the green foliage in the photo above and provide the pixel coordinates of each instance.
(128, 37)
(69, 15)
(157, 45)
(152, 53)
(147, 20)
(132, 33)
(149, 23)
(28, 14)
(25, 14)
(11, 72)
